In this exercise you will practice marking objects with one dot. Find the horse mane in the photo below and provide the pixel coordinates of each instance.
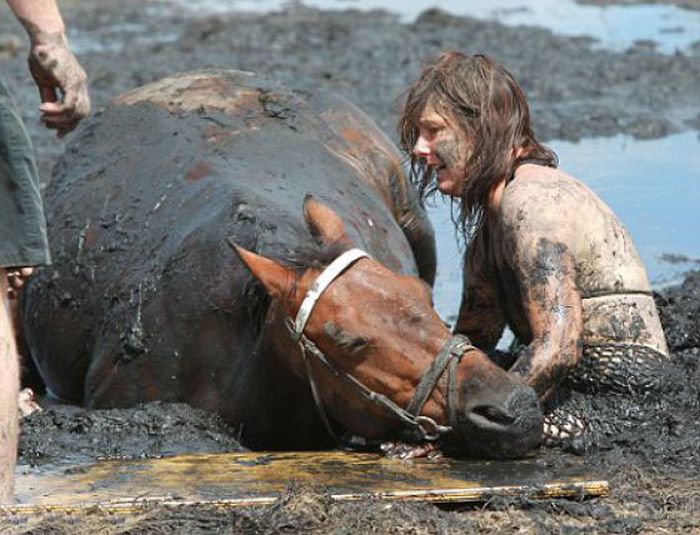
(314, 254)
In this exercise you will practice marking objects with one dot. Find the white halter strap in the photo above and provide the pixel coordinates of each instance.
(328, 275)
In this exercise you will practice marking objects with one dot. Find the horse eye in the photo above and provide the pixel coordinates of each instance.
(345, 340)
(355, 343)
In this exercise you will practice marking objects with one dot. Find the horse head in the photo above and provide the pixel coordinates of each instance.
(373, 335)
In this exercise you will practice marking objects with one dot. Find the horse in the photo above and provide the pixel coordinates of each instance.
(189, 220)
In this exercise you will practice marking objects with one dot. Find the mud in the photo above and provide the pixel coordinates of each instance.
(651, 459)
(72, 435)
(575, 91)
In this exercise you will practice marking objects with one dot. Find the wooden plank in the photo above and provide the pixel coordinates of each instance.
(248, 479)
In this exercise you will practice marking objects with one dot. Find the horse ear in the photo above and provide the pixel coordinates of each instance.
(276, 278)
(323, 222)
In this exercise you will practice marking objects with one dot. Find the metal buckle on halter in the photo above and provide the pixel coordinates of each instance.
(429, 429)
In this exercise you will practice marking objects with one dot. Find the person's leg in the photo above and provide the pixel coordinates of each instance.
(22, 243)
(9, 389)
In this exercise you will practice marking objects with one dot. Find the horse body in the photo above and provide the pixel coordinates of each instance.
(147, 301)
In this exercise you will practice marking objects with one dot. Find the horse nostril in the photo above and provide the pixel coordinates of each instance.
(494, 414)
(504, 426)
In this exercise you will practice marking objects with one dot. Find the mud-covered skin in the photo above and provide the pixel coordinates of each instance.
(556, 265)
(144, 299)
(448, 152)
(60, 79)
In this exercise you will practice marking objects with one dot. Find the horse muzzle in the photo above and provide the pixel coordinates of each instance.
(498, 426)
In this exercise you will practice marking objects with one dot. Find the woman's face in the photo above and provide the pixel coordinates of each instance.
(445, 149)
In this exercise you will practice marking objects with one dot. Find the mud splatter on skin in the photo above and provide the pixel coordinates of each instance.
(481, 290)
(546, 279)
(548, 264)
(450, 154)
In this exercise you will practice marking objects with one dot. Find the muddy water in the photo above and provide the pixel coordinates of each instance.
(613, 27)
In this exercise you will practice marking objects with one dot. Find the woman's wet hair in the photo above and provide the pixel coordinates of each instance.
(483, 99)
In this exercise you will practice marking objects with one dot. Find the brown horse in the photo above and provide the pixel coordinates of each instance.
(146, 301)
(382, 336)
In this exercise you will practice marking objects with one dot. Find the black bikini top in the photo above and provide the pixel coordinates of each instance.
(534, 160)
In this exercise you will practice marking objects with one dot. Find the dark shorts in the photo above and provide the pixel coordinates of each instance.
(22, 223)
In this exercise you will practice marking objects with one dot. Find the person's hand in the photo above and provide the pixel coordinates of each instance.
(62, 84)
(16, 279)
(27, 403)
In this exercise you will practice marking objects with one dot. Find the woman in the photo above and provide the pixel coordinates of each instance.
(545, 255)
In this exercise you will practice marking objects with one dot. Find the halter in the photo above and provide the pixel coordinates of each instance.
(448, 358)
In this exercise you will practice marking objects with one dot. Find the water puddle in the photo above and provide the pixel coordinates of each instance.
(114, 38)
(614, 27)
(652, 186)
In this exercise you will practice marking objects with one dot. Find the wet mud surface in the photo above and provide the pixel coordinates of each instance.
(651, 457)
(574, 90)
(73, 435)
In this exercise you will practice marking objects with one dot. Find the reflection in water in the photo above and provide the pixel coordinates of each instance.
(653, 186)
(615, 27)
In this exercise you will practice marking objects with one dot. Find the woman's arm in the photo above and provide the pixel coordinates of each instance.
(480, 316)
(538, 244)
(40, 18)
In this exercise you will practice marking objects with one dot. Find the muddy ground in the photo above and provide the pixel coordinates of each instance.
(651, 460)
(575, 91)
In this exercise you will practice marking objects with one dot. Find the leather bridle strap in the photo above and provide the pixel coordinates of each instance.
(328, 275)
(450, 353)
(452, 392)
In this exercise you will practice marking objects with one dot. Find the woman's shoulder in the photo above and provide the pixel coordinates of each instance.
(536, 186)
(544, 198)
